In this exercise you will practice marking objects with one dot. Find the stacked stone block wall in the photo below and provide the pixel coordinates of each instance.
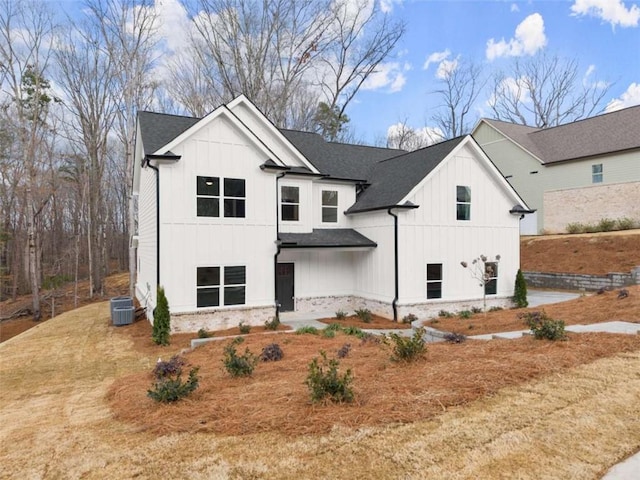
(568, 281)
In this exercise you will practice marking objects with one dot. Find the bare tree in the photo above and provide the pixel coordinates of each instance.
(26, 33)
(405, 137)
(461, 84)
(545, 91)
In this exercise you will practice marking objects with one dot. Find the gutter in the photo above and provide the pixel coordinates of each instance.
(394, 304)
(278, 248)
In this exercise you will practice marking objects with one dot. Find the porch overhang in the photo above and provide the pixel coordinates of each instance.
(335, 238)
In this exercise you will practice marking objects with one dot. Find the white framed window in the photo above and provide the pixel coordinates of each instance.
(597, 174)
(221, 286)
(491, 278)
(463, 202)
(434, 280)
(209, 198)
(329, 206)
(290, 203)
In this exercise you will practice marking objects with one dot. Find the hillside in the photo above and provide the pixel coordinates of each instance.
(594, 254)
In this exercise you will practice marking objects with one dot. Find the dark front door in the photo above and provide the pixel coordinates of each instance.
(285, 286)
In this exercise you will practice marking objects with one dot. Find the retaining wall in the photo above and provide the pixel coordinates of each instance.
(569, 281)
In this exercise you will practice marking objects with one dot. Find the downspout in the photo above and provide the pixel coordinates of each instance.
(157, 222)
(394, 304)
(275, 256)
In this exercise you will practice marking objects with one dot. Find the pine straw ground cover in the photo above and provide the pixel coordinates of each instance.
(275, 398)
(585, 310)
(377, 323)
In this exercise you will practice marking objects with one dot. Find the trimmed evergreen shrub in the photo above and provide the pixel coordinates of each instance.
(202, 333)
(172, 388)
(161, 320)
(324, 381)
(364, 314)
(520, 291)
(244, 328)
(407, 349)
(544, 327)
(238, 365)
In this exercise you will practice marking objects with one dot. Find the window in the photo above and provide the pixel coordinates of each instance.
(329, 206)
(463, 203)
(209, 286)
(290, 203)
(208, 197)
(596, 173)
(491, 278)
(434, 280)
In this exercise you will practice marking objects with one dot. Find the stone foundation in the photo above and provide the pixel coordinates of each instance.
(569, 281)
(212, 320)
(431, 309)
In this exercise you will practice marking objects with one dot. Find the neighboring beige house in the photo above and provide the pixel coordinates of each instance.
(578, 172)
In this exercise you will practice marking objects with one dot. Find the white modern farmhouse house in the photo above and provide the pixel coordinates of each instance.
(241, 221)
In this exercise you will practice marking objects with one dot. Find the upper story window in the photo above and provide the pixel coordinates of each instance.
(463, 203)
(491, 278)
(596, 173)
(214, 289)
(208, 197)
(329, 206)
(434, 280)
(290, 203)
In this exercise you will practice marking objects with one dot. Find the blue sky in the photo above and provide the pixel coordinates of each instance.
(602, 35)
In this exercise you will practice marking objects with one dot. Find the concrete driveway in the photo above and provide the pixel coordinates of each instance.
(543, 297)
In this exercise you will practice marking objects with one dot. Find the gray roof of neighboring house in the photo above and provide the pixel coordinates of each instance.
(158, 129)
(340, 160)
(326, 238)
(391, 180)
(608, 133)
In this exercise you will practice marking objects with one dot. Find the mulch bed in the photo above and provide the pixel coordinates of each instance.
(276, 399)
(377, 323)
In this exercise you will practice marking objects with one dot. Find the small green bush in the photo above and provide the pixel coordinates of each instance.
(589, 228)
(445, 314)
(341, 315)
(407, 349)
(272, 324)
(355, 331)
(161, 319)
(324, 381)
(333, 327)
(364, 314)
(202, 333)
(520, 291)
(465, 314)
(606, 225)
(497, 309)
(544, 327)
(576, 227)
(409, 318)
(169, 368)
(625, 223)
(326, 333)
(238, 365)
(271, 353)
(307, 329)
(244, 328)
(172, 389)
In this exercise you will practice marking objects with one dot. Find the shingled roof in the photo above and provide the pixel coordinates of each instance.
(608, 133)
(158, 129)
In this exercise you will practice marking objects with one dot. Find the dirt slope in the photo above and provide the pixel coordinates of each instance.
(595, 254)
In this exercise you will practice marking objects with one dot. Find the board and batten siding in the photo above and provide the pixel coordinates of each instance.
(146, 252)
(188, 241)
(432, 234)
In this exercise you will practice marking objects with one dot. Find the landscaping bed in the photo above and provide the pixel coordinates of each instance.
(375, 323)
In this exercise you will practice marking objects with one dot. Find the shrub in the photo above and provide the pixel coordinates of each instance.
(202, 333)
(606, 224)
(326, 333)
(238, 365)
(520, 291)
(497, 309)
(324, 381)
(307, 329)
(369, 338)
(407, 349)
(455, 337)
(364, 314)
(271, 353)
(341, 315)
(591, 228)
(272, 324)
(466, 314)
(344, 350)
(576, 227)
(171, 389)
(169, 368)
(409, 318)
(333, 327)
(244, 328)
(355, 331)
(625, 223)
(476, 310)
(161, 320)
(544, 327)
(445, 314)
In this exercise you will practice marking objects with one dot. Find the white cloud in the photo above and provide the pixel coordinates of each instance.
(174, 24)
(387, 75)
(446, 67)
(612, 11)
(512, 88)
(387, 5)
(629, 98)
(528, 39)
(436, 57)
